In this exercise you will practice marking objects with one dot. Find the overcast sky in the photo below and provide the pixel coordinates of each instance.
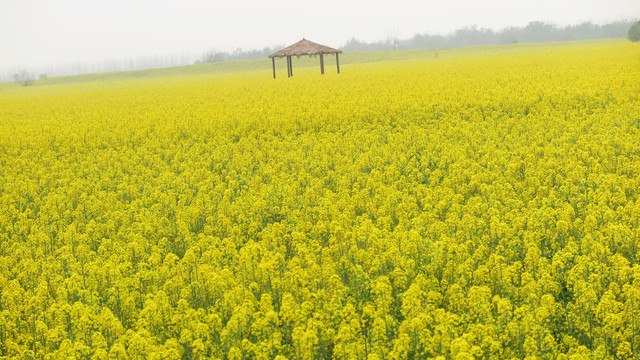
(38, 32)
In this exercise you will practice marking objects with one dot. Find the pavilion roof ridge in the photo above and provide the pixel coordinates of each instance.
(305, 47)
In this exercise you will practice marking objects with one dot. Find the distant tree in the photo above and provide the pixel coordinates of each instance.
(214, 56)
(355, 45)
(25, 78)
(634, 32)
(538, 31)
(392, 40)
(237, 54)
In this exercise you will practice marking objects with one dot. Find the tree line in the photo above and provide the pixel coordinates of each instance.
(534, 32)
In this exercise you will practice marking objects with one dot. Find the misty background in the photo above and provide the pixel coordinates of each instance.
(66, 37)
(535, 31)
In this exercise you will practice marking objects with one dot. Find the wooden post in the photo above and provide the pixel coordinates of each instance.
(337, 63)
(273, 62)
(291, 65)
(321, 64)
(288, 66)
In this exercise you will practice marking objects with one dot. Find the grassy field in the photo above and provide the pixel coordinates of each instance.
(476, 203)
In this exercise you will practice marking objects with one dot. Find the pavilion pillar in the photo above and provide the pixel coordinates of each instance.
(273, 62)
(291, 64)
(321, 64)
(288, 66)
(338, 63)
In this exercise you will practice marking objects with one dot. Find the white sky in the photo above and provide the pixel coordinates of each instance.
(39, 32)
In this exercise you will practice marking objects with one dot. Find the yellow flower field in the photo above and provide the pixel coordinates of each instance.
(481, 204)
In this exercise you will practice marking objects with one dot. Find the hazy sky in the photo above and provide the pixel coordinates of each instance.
(38, 32)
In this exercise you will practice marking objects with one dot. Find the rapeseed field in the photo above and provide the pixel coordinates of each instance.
(462, 204)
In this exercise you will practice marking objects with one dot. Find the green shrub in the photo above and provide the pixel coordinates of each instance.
(634, 32)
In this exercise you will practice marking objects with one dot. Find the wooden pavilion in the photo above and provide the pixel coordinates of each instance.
(304, 47)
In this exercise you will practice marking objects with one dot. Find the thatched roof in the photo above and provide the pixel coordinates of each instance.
(304, 47)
